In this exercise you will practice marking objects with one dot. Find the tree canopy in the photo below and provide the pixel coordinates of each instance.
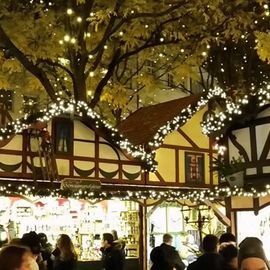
(109, 52)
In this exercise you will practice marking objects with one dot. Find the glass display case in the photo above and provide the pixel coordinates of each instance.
(83, 221)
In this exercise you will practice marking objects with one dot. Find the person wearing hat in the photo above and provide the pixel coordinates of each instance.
(251, 255)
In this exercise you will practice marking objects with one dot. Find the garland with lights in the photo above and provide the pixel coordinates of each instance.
(217, 193)
(220, 120)
(82, 109)
(184, 115)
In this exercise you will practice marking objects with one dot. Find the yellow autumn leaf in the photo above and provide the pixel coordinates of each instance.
(263, 45)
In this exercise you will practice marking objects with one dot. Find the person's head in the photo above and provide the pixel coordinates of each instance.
(115, 235)
(15, 258)
(43, 239)
(210, 243)
(227, 238)
(66, 247)
(229, 253)
(107, 239)
(167, 239)
(251, 255)
(32, 241)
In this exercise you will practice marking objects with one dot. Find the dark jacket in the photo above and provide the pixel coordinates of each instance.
(165, 257)
(113, 258)
(208, 261)
(64, 265)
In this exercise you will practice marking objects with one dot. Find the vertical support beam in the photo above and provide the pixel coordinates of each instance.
(24, 151)
(143, 236)
(96, 156)
(211, 160)
(177, 163)
(228, 211)
(256, 206)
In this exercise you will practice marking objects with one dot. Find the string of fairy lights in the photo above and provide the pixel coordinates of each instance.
(212, 124)
(82, 109)
(216, 193)
(216, 122)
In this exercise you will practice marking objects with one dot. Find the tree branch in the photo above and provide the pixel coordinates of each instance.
(105, 79)
(28, 64)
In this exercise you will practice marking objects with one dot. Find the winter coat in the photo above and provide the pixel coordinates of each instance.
(64, 265)
(113, 258)
(165, 257)
(208, 261)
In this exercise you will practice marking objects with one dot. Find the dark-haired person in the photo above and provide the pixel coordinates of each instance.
(229, 253)
(210, 260)
(112, 256)
(165, 256)
(46, 250)
(32, 241)
(16, 258)
(251, 255)
(227, 238)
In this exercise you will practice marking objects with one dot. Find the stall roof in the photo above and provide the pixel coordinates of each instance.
(142, 125)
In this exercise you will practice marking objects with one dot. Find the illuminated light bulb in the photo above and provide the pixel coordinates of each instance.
(161, 39)
(208, 46)
(66, 38)
(73, 40)
(267, 13)
(105, 47)
(121, 33)
(69, 11)
(89, 93)
(92, 74)
(182, 50)
(204, 53)
(79, 19)
(265, 6)
(90, 56)
(61, 42)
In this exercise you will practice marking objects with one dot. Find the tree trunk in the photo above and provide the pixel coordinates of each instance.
(80, 87)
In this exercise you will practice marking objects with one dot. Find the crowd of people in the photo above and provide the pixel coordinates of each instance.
(218, 254)
(33, 252)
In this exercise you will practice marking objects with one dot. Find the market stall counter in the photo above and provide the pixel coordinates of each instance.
(130, 264)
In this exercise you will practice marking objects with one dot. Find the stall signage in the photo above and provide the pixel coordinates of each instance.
(22, 211)
(74, 184)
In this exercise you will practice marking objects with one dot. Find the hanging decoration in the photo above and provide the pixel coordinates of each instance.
(217, 193)
(83, 110)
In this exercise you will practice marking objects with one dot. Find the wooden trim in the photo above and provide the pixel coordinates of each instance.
(177, 165)
(83, 140)
(255, 122)
(142, 240)
(228, 211)
(160, 178)
(234, 229)
(24, 151)
(266, 148)
(211, 158)
(186, 148)
(253, 143)
(193, 144)
(256, 206)
(241, 149)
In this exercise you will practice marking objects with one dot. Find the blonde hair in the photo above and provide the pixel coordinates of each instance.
(66, 247)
